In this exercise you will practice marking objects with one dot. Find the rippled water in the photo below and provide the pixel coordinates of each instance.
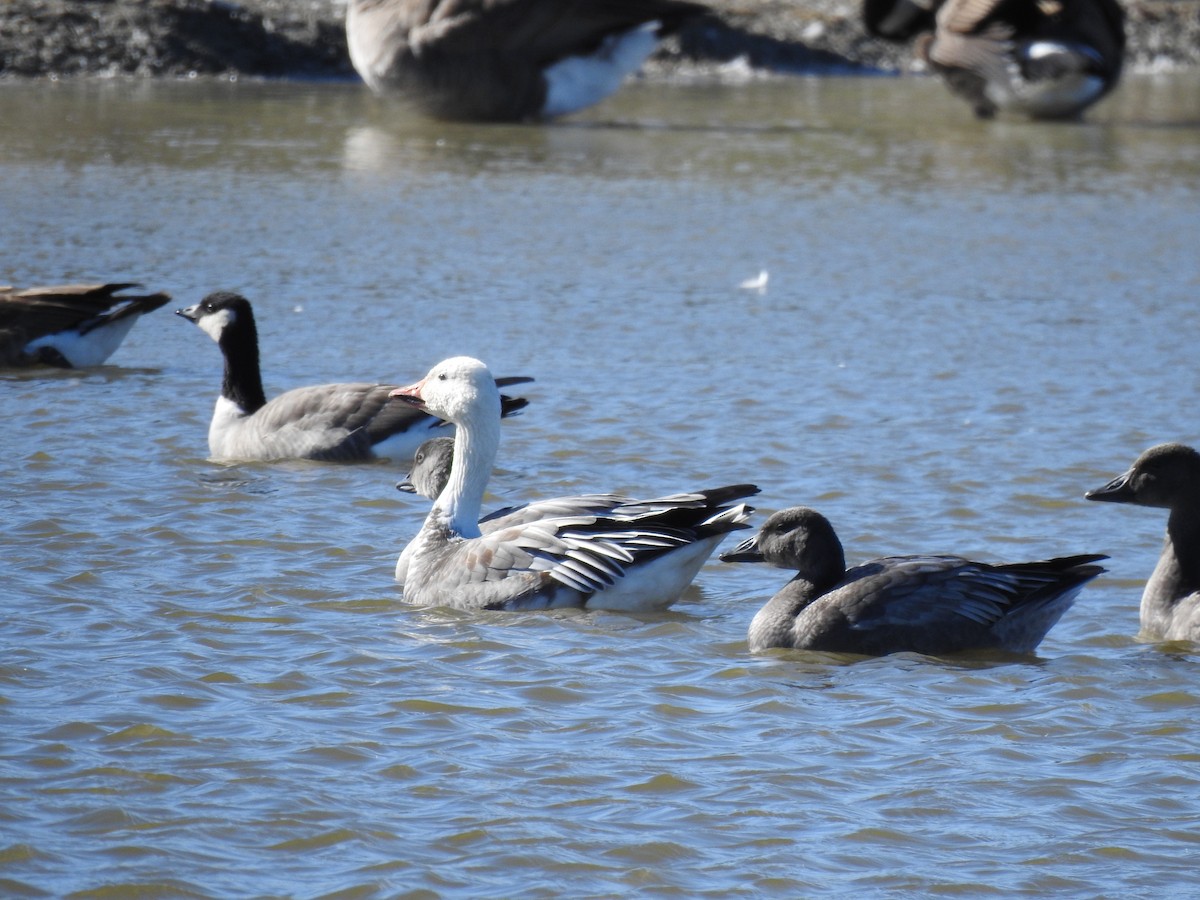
(210, 687)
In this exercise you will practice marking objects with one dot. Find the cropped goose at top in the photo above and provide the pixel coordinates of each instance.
(923, 604)
(341, 422)
(1167, 477)
(70, 326)
(1046, 59)
(505, 60)
(598, 552)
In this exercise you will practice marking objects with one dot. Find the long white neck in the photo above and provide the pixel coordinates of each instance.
(476, 443)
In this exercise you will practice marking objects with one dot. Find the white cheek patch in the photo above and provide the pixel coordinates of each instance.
(215, 324)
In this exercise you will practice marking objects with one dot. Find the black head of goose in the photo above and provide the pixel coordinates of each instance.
(342, 422)
(1046, 59)
(614, 554)
(933, 605)
(1167, 477)
(71, 325)
(505, 60)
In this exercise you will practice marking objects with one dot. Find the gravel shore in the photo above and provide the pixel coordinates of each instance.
(305, 38)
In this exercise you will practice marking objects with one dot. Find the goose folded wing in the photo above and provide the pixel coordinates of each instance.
(924, 593)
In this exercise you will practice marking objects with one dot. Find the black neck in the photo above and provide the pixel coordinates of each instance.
(1183, 535)
(243, 378)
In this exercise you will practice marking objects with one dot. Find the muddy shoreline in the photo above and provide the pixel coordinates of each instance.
(305, 39)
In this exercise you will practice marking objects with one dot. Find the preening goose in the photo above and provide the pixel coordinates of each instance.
(923, 604)
(1167, 477)
(344, 422)
(613, 554)
(1047, 59)
(505, 60)
(69, 325)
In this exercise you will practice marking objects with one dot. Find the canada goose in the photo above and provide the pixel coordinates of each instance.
(505, 60)
(68, 325)
(344, 422)
(627, 555)
(1167, 477)
(1047, 59)
(923, 604)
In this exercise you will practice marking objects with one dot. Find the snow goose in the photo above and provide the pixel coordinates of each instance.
(612, 554)
(1045, 60)
(1167, 477)
(505, 60)
(431, 472)
(344, 422)
(69, 325)
(923, 604)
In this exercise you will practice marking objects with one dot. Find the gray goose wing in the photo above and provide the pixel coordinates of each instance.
(939, 604)
(325, 422)
(551, 562)
(47, 310)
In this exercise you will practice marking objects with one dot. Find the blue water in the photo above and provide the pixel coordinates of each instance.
(210, 686)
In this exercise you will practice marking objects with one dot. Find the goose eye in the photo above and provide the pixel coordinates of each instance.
(442, 377)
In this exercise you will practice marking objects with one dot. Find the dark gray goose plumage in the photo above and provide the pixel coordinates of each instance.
(598, 552)
(1167, 477)
(1046, 59)
(899, 20)
(933, 605)
(505, 60)
(341, 422)
(68, 325)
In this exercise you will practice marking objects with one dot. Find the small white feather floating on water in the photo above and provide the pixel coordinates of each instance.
(758, 283)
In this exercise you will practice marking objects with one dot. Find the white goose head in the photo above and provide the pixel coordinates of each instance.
(460, 389)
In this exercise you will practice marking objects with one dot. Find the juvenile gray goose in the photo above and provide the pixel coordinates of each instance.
(505, 60)
(923, 604)
(69, 325)
(1046, 59)
(615, 554)
(343, 422)
(1167, 477)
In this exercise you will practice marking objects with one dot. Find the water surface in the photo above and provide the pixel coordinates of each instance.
(210, 686)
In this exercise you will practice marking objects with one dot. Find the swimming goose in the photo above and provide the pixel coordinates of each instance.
(923, 604)
(68, 325)
(1167, 477)
(615, 554)
(1047, 59)
(345, 422)
(431, 472)
(505, 60)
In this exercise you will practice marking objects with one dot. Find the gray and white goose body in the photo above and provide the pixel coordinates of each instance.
(599, 552)
(1167, 477)
(341, 422)
(923, 604)
(505, 60)
(430, 474)
(69, 325)
(1046, 59)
